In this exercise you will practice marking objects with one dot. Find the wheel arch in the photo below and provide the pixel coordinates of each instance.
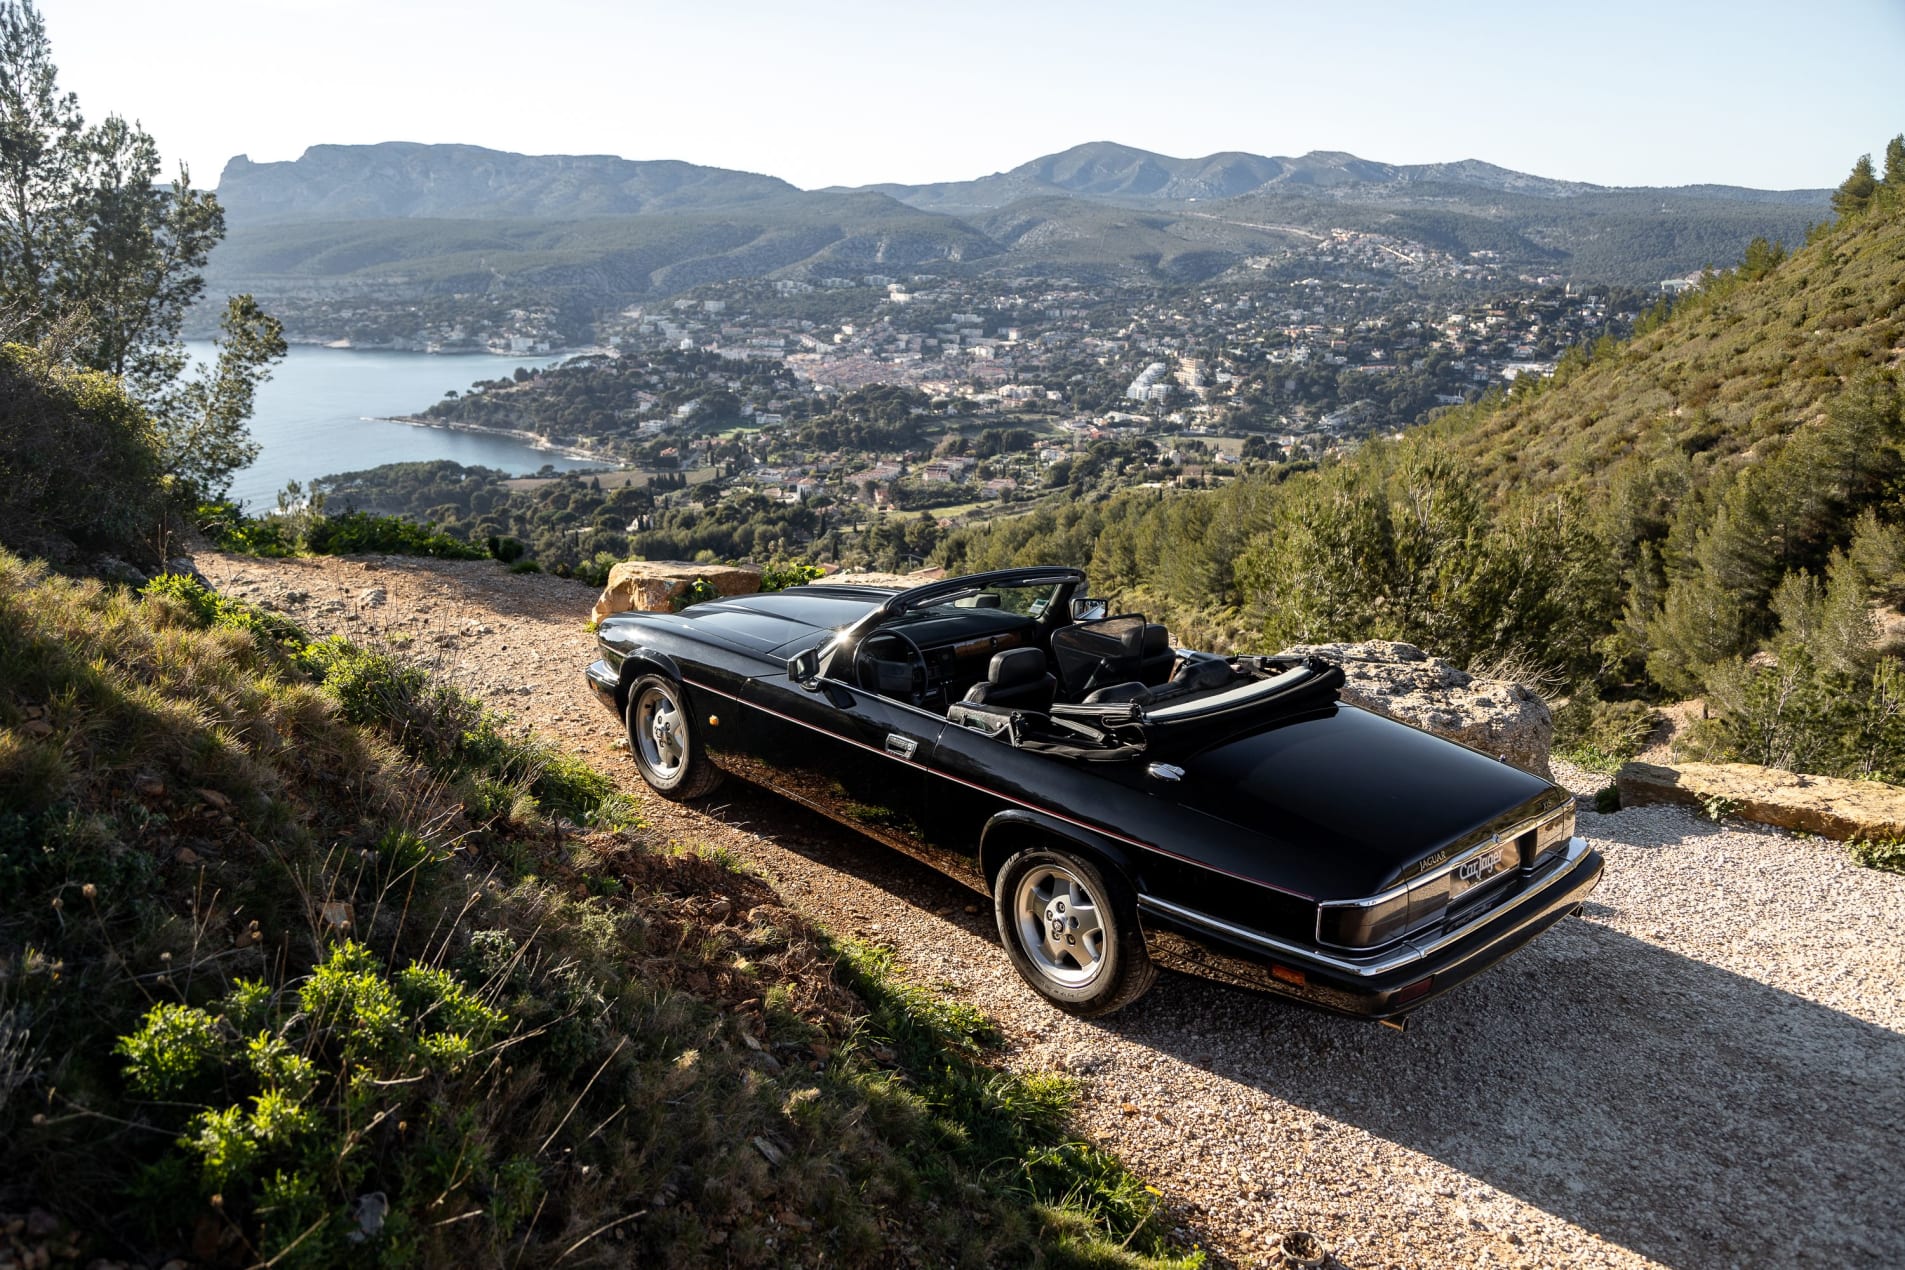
(1013, 831)
(643, 661)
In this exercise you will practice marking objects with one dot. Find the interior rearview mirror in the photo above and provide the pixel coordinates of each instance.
(804, 668)
(1087, 609)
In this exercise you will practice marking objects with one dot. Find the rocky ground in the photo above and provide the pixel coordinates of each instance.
(1706, 1070)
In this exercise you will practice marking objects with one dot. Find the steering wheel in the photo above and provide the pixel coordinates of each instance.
(868, 656)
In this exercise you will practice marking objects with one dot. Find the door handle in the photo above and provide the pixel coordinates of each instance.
(900, 746)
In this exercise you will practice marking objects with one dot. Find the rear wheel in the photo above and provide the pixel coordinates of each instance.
(1071, 930)
(663, 741)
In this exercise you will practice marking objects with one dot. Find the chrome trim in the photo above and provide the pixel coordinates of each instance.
(1393, 959)
(1454, 862)
(1423, 881)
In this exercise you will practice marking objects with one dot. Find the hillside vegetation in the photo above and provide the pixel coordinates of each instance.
(1712, 506)
(307, 959)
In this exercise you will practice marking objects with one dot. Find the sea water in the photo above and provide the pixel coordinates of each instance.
(328, 410)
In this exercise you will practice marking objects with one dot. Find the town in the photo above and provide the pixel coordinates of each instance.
(1011, 384)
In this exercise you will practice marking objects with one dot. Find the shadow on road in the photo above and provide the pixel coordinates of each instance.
(1691, 1114)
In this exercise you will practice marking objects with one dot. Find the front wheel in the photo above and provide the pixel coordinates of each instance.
(1071, 930)
(662, 738)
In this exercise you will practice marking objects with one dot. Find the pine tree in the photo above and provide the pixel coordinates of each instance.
(1895, 162)
(96, 250)
(1854, 195)
(40, 134)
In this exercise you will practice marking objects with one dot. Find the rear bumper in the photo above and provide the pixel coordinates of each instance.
(1384, 985)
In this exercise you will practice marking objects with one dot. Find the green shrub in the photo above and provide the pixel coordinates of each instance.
(1602, 735)
(780, 575)
(229, 529)
(80, 460)
(1888, 854)
(356, 533)
(173, 1048)
(697, 592)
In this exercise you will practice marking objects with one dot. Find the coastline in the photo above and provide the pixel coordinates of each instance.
(533, 440)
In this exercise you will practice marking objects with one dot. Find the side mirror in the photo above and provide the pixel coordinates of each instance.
(804, 668)
(1086, 609)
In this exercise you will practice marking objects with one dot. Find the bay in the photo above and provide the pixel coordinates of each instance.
(326, 410)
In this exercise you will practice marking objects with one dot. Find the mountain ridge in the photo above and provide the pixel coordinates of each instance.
(403, 219)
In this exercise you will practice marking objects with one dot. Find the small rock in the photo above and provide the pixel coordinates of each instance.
(769, 1152)
(372, 597)
(150, 787)
(185, 856)
(113, 569)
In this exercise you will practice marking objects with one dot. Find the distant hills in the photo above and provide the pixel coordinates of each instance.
(399, 179)
(400, 217)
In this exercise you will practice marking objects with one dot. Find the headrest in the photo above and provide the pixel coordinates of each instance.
(1016, 666)
(1148, 640)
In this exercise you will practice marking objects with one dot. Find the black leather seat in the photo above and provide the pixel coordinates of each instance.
(1017, 680)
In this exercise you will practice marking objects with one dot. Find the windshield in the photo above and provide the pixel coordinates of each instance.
(1030, 601)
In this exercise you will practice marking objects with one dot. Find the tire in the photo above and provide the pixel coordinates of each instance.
(662, 738)
(1096, 961)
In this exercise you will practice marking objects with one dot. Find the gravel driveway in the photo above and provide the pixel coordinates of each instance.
(1706, 1070)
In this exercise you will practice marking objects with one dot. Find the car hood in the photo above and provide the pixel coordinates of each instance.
(1349, 802)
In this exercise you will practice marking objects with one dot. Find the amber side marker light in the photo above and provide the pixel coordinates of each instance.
(1289, 975)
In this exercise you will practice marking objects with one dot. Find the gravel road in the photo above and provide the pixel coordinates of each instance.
(1705, 1070)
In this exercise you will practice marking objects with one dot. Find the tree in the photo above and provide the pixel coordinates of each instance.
(1895, 162)
(131, 255)
(1855, 192)
(203, 434)
(40, 132)
(100, 256)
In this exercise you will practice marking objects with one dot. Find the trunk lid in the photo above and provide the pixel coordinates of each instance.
(1352, 803)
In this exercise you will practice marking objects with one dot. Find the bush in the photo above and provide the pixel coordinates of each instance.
(1888, 855)
(355, 533)
(782, 574)
(227, 527)
(1602, 735)
(700, 591)
(80, 461)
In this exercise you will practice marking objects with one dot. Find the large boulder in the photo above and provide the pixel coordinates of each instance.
(1403, 682)
(652, 586)
(1825, 805)
(869, 577)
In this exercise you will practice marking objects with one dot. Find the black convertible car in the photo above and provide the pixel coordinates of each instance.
(1126, 804)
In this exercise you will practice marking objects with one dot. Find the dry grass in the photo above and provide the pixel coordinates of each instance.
(350, 941)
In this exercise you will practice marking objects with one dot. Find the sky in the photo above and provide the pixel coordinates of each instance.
(841, 92)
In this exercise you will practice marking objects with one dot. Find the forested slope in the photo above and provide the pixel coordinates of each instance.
(1712, 506)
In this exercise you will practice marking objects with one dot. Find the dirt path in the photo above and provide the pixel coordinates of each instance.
(1708, 1070)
